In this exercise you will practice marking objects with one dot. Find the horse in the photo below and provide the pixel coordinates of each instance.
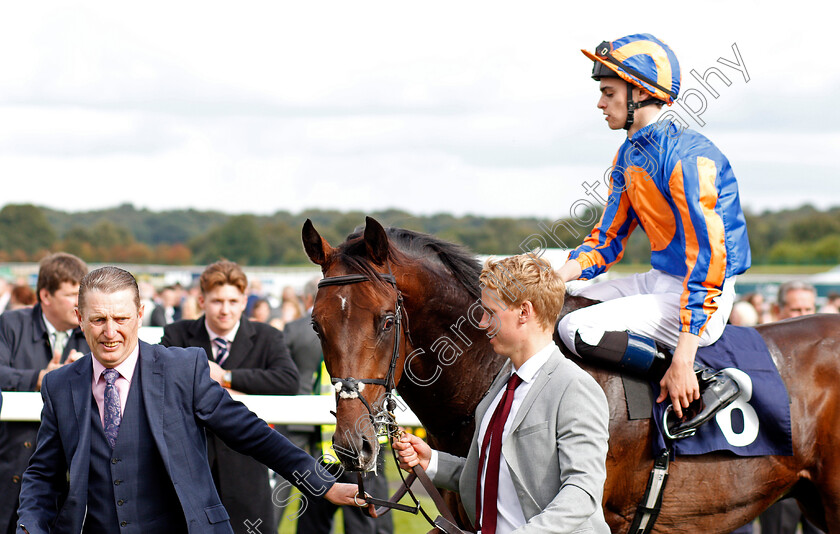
(443, 365)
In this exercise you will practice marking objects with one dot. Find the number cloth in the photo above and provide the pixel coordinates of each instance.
(758, 422)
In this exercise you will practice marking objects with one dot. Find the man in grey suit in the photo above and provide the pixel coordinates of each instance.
(537, 460)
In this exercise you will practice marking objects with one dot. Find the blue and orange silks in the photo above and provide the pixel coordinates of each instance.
(680, 189)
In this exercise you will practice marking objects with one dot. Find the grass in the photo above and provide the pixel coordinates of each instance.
(404, 523)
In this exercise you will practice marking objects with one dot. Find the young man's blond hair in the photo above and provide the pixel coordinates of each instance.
(525, 277)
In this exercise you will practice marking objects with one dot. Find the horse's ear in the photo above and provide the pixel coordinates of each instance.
(316, 247)
(376, 241)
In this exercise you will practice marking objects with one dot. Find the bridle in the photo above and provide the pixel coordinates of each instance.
(349, 388)
(384, 419)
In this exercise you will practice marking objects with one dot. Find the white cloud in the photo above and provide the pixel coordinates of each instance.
(476, 107)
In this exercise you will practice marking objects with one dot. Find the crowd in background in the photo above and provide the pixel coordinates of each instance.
(167, 304)
(170, 303)
(793, 299)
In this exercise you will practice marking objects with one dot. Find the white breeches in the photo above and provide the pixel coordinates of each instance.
(647, 304)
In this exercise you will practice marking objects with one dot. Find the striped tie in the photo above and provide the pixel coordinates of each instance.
(221, 349)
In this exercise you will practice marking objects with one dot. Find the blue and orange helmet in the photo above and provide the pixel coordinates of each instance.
(641, 60)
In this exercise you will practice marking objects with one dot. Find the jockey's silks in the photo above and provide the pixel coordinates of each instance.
(680, 189)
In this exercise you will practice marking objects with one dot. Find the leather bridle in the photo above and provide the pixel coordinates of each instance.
(349, 388)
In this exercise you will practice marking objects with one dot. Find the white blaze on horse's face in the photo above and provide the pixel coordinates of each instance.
(343, 303)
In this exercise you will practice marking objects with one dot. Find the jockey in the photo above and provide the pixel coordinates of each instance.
(676, 185)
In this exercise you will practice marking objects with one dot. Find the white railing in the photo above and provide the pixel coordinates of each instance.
(275, 409)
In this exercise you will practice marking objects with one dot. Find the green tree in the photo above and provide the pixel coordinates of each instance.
(239, 240)
(284, 244)
(24, 227)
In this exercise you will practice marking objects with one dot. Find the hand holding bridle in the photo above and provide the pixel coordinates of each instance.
(412, 451)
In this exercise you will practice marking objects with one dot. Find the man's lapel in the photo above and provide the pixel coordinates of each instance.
(242, 344)
(80, 389)
(543, 375)
(39, 334)
(497, 385)
(152, 372)
(198, 337)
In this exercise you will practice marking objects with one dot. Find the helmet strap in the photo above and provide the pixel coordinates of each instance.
(633, 106)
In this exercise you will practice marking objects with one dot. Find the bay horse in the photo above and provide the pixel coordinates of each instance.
(445, 365)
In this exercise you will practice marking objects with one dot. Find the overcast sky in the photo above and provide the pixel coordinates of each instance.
(463, 107)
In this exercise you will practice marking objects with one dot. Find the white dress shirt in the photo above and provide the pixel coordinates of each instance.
(51, 330)
(507, 502)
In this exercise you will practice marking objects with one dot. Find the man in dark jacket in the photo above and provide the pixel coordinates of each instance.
(244, 356)
(33, 342)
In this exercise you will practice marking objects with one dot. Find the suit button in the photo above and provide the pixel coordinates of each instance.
(114, 460)
(15, 479)
(27, 444)
(117, 482)
(120, 502)
(124, 523)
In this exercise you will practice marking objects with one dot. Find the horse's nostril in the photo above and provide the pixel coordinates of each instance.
(368, 449)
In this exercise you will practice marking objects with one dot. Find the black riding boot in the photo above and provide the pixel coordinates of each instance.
(642, 357)
(717, 391)
(633, 354)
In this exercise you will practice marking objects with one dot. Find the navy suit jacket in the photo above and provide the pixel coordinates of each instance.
(181, 400)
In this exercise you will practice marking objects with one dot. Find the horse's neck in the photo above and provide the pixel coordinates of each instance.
(458, 354)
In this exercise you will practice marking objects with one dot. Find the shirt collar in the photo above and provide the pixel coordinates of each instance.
(125, 369)
(51, 330)
(230, 335)
(528, 370)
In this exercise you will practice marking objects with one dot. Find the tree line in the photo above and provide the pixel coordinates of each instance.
(126, 234)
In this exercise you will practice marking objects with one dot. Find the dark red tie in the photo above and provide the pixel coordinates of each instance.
(493, 437)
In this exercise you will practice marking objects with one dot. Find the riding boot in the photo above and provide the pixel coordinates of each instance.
(717, 391)
(628, 352)
(643, 357)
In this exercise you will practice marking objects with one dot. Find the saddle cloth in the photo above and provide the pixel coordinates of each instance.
(755, 424)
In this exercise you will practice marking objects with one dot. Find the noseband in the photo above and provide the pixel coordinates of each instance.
(351, 388)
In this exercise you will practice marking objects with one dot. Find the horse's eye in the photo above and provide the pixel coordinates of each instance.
(388, 324)
(316, 328)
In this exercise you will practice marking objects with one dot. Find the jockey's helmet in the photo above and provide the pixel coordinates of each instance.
(642, 61)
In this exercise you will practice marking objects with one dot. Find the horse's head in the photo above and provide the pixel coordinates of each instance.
(358, 320)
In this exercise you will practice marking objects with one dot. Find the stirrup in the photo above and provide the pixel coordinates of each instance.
(720, 391)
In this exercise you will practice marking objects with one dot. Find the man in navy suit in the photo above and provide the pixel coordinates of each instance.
(127, 423)
(33, 342)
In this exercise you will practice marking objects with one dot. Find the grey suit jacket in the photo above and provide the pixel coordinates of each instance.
(556, 451)
(305, 348)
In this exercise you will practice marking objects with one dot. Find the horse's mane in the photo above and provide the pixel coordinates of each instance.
(409, 245)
